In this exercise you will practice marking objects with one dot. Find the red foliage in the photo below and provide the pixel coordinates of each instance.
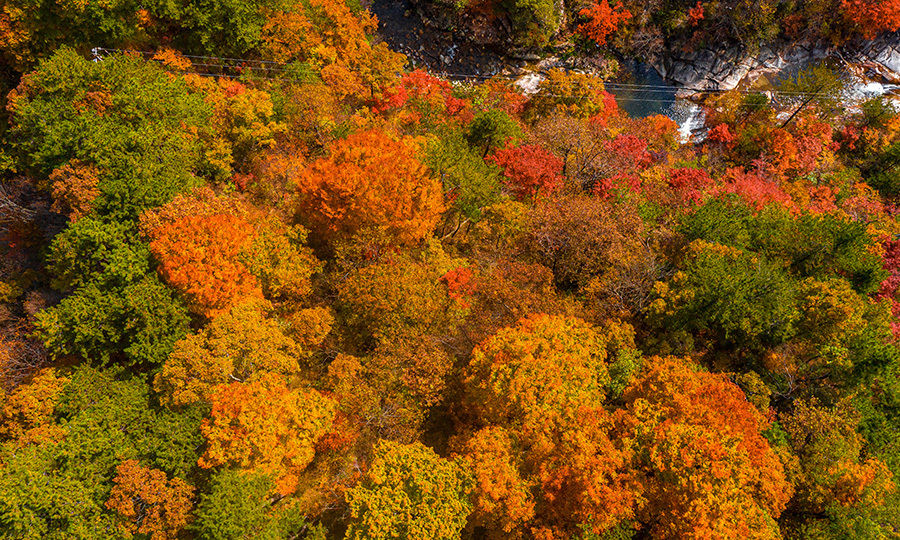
(605, 186)
(755, 188)
(872, 16)
(821, 200)
(610, 110)
(721, 134)
(630, 151)
(849, 135)
(689, 183)
(393, 98)
(459, 283)
(695, 14)
(890, 286)
(529, 170)
(813, 138)
(420, 86)
(603, 21)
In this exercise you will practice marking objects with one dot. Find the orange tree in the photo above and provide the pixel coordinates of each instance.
(218, 251)
(706, 470)
(334, 41)
(267, 427)
(148, 503)
(368, 180)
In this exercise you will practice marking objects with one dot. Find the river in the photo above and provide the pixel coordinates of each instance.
(639, 89)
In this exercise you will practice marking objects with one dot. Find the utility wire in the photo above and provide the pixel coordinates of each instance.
(270, 66)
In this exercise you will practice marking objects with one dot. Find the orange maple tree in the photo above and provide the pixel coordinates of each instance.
(369, 180)
(198, 256)
(709, 472)
(872, 16)
(148, 502)
(26, 413)
(540, 386)
(334, 41)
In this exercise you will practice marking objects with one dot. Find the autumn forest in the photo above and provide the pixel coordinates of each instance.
(261, 278)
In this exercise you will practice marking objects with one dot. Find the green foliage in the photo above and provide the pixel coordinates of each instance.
(223, 27)
(492, 129)
(811, 245)
(57, 489)
(534, 21)
(470, 182)
(410, 492)
(105, 253)
(741, 298)
(139, 126)
(238, 506)
(135, 324)
(817, 84)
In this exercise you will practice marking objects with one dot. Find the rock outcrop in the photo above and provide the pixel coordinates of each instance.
(709, 69)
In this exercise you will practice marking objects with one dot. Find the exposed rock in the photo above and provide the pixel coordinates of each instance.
(709, 69)
(879, 59)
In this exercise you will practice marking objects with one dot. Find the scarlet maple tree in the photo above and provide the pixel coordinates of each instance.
(695, 14)
(148, 502)
(529, 170)
(603, 20)
(689, 183)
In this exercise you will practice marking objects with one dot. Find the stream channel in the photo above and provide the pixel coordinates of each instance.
(639, 89)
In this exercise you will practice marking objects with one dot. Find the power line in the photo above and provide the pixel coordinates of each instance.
(270, 66)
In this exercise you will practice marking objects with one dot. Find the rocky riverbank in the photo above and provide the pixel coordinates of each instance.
(432, 40)
(707, 70)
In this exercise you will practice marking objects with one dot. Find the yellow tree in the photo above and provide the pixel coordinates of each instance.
(239, 345)
(540, 387)
(410, 492)
(330, 37)
(266, 426)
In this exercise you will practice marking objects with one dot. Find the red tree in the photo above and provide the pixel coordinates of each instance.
(872, 16)
(602, 21)
(529, 170)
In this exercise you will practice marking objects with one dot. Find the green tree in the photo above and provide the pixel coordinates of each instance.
(140, 127)
(492, 129)
(410, 492)
(238, 506)
(136, 324)
(57, 489)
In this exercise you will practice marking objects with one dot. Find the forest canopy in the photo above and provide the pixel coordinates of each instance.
(317, 294)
